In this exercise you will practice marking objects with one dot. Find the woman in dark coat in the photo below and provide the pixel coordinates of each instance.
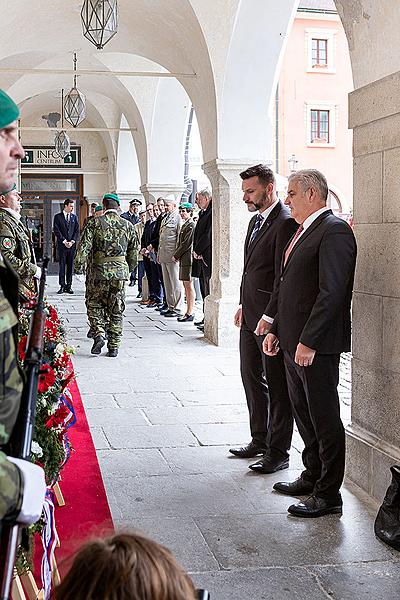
(183, 254)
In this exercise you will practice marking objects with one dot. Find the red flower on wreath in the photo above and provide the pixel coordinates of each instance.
(50, 330)
(62, 361)
(58, 418)
(53, 314)
(22, 347)
(46, 379)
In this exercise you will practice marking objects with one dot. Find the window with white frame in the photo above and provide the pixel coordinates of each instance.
(321, 50)
(320, 122)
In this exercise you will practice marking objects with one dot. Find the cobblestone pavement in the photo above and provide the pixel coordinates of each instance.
(162, 416)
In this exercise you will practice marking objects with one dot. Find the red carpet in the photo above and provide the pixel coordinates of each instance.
(86, 513)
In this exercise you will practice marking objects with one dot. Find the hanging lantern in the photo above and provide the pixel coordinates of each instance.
(62, 144)
(75, 103)
(99, 21)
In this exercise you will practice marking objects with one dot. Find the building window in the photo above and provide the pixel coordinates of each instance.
(319, 53)
(320, 126)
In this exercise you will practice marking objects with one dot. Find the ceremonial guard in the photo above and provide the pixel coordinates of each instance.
(113, 245)
(22, 485)
(89, 281)
(15, 242)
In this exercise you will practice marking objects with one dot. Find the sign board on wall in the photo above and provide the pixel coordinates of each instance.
(43, 157)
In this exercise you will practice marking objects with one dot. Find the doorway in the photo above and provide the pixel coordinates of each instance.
(43, 197)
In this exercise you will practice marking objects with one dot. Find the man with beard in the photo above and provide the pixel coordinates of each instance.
(264, 381)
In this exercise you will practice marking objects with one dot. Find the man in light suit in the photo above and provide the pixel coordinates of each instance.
(312, 328)
(169, 233)
(264, 379)
(66, 229)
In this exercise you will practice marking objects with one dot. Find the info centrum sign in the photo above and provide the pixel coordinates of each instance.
(46, 156)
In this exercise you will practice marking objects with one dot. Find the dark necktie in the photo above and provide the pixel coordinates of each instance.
(257, 226)
(292, 243)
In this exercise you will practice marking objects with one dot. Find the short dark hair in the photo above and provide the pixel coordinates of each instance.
(263, 172)
(68, 201)
(93, 205)
(110, 203)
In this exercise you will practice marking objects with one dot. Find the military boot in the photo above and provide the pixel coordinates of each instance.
(98, 343)
(113, 352)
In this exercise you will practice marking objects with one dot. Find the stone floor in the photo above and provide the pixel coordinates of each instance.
(163, 416)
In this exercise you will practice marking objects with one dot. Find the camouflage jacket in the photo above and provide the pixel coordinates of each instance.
(111, 244)
(10, 387)
(15, 245)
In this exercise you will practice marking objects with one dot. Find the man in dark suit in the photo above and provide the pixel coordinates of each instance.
(202, 246)
(264, 379)
(149, 259)
(66, 230)
(313, 327)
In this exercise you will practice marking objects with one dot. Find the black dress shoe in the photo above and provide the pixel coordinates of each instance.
(249, 451)
(139, 295)
(170, 313)
(299, 487)
(131, 284)
(98, 343)
(61, 290)
(200, 328)
(162, 307)
(185, 318)
(269, 465)
(113, 352)
(197, 323)
(315, 506)
(69, 291)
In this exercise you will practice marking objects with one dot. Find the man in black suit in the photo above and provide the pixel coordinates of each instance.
(313, 327)
(66, 229)
(264, 379)
(202, 246)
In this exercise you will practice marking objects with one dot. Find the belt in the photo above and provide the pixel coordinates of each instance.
(105, 259)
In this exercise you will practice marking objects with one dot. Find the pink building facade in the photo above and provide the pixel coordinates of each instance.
(311, 110)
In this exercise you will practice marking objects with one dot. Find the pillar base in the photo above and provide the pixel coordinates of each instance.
(368, 461)
(218, 326)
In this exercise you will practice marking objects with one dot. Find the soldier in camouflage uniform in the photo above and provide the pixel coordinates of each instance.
(89, 281)
(15, 243)
(22, 485)
(112, 244)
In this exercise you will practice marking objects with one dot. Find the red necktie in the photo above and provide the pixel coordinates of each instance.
(292, 243)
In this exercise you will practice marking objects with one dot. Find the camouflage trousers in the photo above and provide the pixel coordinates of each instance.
(10, 396)
(105, 308)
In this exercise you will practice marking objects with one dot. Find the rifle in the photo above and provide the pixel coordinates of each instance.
(21, 438)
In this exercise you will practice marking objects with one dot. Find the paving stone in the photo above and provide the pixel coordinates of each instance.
(132, 463)
(191, 398)
(204, 459)
(99, 401)
(221, 434)
(146, 400)
(107, 386)
(197, 414)
(98, 417)
(180, 535)
(155, 436)
(373, 580)
(260, 584)
(99, 439)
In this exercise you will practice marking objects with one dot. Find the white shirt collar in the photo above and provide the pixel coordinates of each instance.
(310, 220)
(66, 214)
(12, 212)
(269, 210)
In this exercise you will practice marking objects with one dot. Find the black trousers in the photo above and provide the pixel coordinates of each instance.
(204, 279)
(153, 279)
(66, 268)
(315, 401)
(264, 382)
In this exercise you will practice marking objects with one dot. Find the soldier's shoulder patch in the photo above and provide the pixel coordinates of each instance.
(6, 243)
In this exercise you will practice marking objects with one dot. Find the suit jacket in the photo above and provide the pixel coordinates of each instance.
(183, 251)
(169, 232)
(147, 234)
(315, 288)
(202, 241)
(262, 259)
(63, 232)
(155, 239)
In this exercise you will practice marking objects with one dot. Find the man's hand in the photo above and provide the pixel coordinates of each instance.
(271, 345)
(304, 355)
(65, 243)
(238, 319)
(149, 247)
(175, 259)
(262, 327)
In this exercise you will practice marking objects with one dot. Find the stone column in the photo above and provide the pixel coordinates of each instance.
(373, 438)
(230, 221)
(152, 191)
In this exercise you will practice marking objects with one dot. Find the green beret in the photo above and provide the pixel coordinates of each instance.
(9, 111)
(11, 189)
(98, 208)
(112, 197)
(186, 205)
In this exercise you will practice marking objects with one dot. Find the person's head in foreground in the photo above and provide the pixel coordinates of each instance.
(127, 566)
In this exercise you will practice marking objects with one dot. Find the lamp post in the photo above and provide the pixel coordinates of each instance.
(99, 21)
(75, 103)
(62, 144)
(292, 161)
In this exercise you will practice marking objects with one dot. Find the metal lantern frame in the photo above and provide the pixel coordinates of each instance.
(62, 142)
(74, 103)
(99, 21)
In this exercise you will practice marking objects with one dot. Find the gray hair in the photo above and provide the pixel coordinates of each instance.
(308, 178)
(205, 193)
